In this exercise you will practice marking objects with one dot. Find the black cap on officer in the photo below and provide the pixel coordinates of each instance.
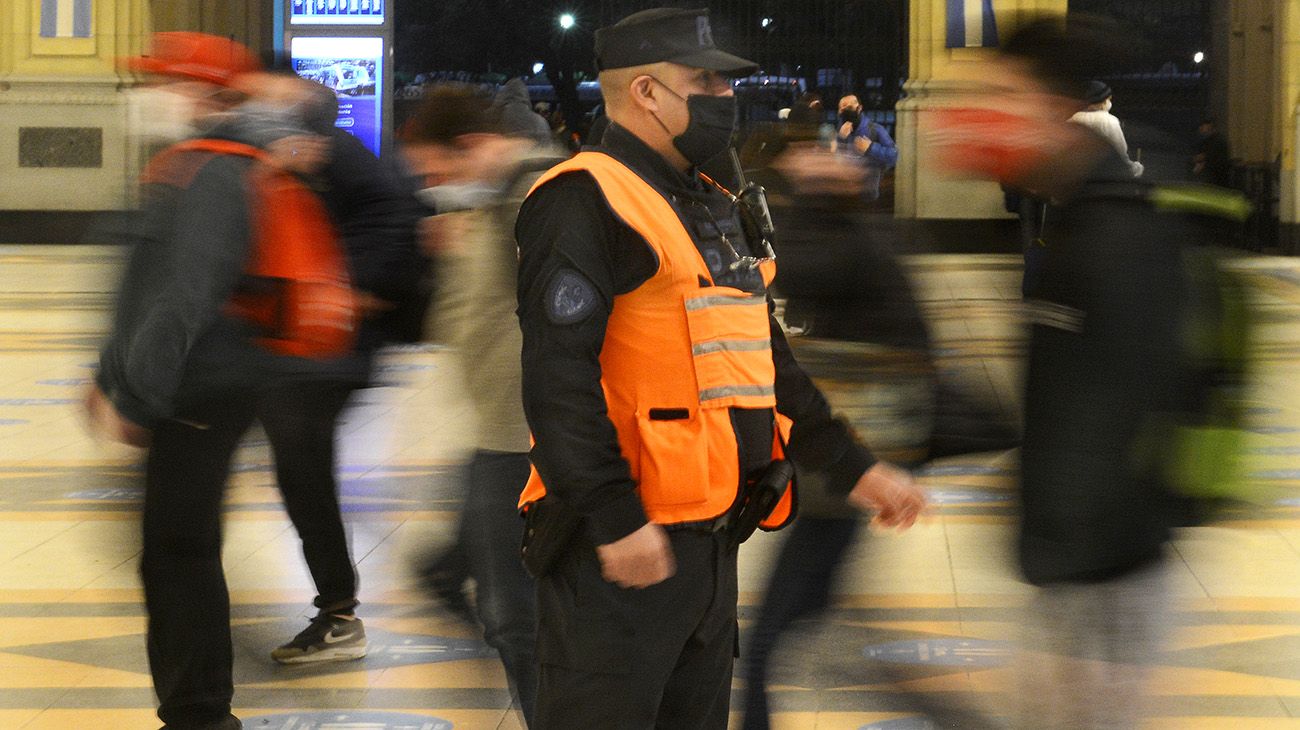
(666, 34)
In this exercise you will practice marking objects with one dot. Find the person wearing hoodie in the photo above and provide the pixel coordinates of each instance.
(514, 107)
(1107, 366)
(479, 157)
(1097, 117)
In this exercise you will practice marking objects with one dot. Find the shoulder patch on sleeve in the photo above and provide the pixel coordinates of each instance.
(570, 297)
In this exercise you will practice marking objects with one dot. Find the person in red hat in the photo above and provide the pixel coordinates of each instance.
(182, 372)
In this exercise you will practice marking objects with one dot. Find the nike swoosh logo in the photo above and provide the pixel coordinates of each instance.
(332, 638)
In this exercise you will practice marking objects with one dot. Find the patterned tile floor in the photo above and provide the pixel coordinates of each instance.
(927, 615)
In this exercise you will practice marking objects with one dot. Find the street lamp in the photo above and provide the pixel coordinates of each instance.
(766, 22)
(1200, 56)
(537, 67)
(567, 21)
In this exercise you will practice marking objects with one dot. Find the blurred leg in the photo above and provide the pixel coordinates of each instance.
(491, 533)
(300, 422)
(798, 588)
(184, 586)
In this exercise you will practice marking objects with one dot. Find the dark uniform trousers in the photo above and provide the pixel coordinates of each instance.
(634, 659)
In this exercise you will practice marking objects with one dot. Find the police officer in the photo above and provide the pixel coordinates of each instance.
(658, 388)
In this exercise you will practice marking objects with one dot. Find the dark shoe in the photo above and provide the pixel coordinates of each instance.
(328, 639)
(444, 578)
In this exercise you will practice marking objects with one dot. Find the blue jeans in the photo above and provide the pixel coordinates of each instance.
(490, 535)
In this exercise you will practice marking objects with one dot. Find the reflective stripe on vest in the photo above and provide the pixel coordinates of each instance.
(731, 342)
(674, 346)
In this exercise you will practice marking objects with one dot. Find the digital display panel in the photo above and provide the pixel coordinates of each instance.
(354, 69)
(336, 12)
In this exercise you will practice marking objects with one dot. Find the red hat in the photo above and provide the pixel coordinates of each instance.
(200, 56)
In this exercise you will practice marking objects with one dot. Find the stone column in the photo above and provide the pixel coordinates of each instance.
(248, 21)
(1250, 75)
(939, 75)
(62, 111)
(1286, 112)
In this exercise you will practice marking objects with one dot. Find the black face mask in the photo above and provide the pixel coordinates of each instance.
(711, 125)
(853, 117)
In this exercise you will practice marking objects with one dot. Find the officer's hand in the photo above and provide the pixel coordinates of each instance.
(639, 560)
(896, 498)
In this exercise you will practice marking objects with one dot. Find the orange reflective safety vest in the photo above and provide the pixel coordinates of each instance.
(676, 357)
(299, 295)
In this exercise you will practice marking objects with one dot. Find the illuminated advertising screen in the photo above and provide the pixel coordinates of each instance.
(353, 68)
(336, 12)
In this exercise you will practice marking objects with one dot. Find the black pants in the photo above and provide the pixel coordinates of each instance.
(659, 657)
(489, 536)
(184, 586)
(799, 587)
(300, 420)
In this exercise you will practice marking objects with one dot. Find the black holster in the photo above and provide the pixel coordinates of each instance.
(549, 528)
(760, 497)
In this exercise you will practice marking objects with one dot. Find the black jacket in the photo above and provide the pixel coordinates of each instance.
(374, 206)
(1105, 359)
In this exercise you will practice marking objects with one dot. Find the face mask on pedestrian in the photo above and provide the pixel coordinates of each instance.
(992, 143)
(264, 121)
(852, 116)
(711, 125)
(456, 197)
(159, 115)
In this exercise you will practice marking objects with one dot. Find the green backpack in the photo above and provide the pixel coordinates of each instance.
(1204, 451)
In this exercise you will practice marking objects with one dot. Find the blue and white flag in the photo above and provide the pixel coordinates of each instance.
(971, 24)
(66, 18)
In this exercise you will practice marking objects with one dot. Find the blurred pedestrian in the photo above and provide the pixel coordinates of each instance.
(186, 361)
(839, 286)
(457, 141)
(1031, 213)
(376, 213)
(1212, 163)
(860, 327)
(1106, 367)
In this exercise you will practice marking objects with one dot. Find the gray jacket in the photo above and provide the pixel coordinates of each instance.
(171, 344)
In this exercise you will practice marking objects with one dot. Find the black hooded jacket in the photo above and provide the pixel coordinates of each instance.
(1105, 361)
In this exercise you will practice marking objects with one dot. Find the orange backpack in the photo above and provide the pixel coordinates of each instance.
(298, 292)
